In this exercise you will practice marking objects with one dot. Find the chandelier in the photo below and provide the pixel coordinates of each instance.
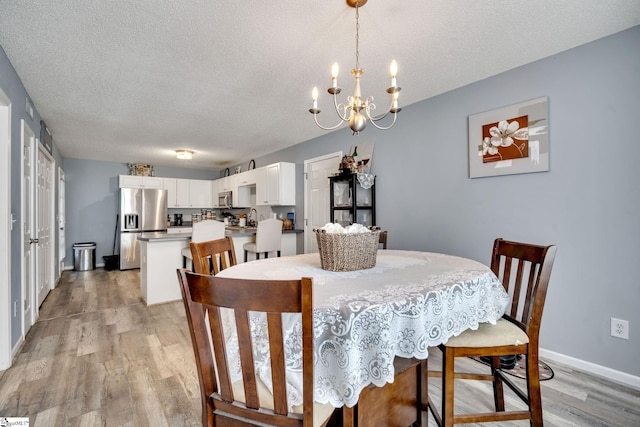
(358, 109)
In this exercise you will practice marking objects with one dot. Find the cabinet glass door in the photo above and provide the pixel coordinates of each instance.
(341, 194)
(343, 217)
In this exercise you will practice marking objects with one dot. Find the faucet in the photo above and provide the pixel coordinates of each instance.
(250, 216)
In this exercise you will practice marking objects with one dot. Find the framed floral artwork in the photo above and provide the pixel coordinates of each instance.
(510, 140)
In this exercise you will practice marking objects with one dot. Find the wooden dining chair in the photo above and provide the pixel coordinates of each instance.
(524, 270)
(202, 232)
(383, 239)
(213, 256)
(248, 401)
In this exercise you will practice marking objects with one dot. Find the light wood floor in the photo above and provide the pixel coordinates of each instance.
(99, 356)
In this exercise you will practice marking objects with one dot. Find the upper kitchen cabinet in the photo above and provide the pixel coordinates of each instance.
(137, 181)
(188, 193)
(177, 192)
(247, 178)
(216, 184)
(200, 193)
(276, 185)
(228, 183)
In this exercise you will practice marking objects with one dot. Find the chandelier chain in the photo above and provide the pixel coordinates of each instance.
(357, 35)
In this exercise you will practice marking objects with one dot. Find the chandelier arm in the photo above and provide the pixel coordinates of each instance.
(315, 117)
(341, 107)
(395, 115)
(375, 119)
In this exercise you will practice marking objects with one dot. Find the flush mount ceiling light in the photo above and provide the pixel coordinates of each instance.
(184, 154)
(356, 111)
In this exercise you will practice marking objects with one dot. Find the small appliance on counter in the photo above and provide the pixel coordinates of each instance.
(178, 220)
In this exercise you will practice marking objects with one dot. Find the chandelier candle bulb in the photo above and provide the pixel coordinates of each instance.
(334, 75)
(314, 96)
(394, 70)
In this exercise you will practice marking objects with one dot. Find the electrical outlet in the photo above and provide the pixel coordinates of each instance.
(620, 328)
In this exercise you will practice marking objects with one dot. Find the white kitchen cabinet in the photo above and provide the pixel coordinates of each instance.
(215, 189)
(188, 193)
(199, 193)
(228, 183)
(137, 181)
(246, 178)
(169, 184)
(177, 192)
(276, 185)
(182, 193)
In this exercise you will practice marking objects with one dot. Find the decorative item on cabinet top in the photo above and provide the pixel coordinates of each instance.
(141, 169)
(252, 165)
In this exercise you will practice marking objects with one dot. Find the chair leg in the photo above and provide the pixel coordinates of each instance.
(448, 374)
(498, 393)
(533, 387)
(266, 255)
(246, 254)
(184, 261)
(278, 254)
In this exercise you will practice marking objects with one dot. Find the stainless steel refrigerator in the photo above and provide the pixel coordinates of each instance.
(141, 210)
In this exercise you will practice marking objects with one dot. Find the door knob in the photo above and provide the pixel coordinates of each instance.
(33, 241)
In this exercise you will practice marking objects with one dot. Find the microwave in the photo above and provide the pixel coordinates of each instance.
(225, 200)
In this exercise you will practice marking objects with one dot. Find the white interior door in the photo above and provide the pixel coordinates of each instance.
(316, 195)
(6, 225)
(44, 225)
(62, 248)
(29, 239)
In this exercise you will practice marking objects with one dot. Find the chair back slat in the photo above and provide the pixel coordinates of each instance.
(212, 256)
(276, 351)
(245, 347)
(211, 296)
(528, 286)
(220, 356)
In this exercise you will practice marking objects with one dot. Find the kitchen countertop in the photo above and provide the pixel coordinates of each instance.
(230, 231)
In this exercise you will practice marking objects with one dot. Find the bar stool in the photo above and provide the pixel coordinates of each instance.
(202, 232)
(268, 239)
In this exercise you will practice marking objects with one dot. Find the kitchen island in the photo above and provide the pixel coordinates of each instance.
(161, 256)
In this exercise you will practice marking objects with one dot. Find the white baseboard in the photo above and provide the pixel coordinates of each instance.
(16, 348)
(70, 267)
(598, 370)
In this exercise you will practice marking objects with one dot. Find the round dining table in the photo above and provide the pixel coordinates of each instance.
(364, 319)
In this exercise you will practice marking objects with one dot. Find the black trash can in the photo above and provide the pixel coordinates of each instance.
(84, 256)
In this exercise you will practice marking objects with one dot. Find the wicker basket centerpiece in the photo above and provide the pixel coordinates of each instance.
(341, 251)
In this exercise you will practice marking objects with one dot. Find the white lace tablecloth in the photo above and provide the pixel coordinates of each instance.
(363, 319)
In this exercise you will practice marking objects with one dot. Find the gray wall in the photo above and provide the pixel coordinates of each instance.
(587, 203)
(12, 86)
(92, 201)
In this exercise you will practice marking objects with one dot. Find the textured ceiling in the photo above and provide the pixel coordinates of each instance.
(131, 81)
